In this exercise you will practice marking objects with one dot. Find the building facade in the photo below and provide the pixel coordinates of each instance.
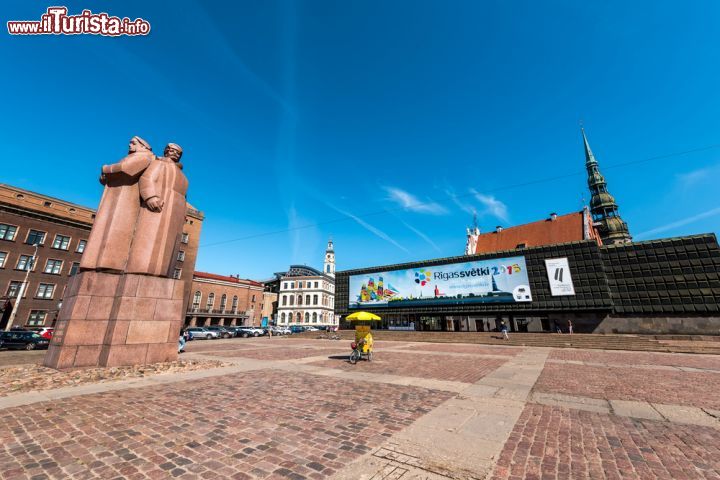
(668, 285)
(306, 295)
(223, 300)
(60, 229)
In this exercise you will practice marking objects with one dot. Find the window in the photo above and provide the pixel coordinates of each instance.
(7, 232)
(210, 301)
(37, 317)
(3, 257)
(61, 242)
(35, 236)
(48, 204)
(185, 237)
(307, 299)
(45, 290)
(521, 245)
(223, 302)
(253, 298)
(314, 317)
(25, 262)
(53, 266)
(284, 300)
(177, 273)
(196, 300)
(299, 300)
(181, 256)
(307, 317)
(300, 284)
(292, 300)
(234, 304)
(81, 246)
(316, 284)
(282, 317)
(315, 299)
(14, 289)
(292, 284)
(298, 317)
(74, 268)
(285, 286)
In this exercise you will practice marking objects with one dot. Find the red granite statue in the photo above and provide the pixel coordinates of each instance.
(109, 242)
(160, 222)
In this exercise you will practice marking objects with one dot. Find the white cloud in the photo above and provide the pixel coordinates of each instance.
(677, 224)
(370, 228)
(412, 203)
(465, 207)
(491, 205)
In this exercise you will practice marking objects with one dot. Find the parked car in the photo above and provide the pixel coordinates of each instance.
(281, 331)
(297, 329)
(250, 331)
(202, 333)
(26, 340)
(312, 329)
(222, 332)
(45, 332)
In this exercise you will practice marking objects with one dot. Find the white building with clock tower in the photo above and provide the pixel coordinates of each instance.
(307, 295)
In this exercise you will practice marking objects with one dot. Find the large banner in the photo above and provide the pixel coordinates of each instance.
(501, 280)
(558, 272)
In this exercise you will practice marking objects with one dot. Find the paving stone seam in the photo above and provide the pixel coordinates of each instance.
(637, 366)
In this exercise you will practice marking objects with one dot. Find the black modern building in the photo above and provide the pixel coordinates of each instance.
(660, 286)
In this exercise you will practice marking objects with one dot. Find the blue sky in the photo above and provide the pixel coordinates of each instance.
(315, 113)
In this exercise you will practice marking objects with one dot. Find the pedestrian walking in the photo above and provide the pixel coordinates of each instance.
(504, 330)
(570, 327)
(181, 343)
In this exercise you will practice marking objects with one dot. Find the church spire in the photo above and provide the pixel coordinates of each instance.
(611, 226)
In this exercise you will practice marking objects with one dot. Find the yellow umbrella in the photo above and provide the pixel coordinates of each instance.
(361, 316)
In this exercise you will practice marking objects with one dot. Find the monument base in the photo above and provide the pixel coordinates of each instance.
(114, 319)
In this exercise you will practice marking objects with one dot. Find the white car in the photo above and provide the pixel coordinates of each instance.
(312, 329)
(202, 333)
(281, 331)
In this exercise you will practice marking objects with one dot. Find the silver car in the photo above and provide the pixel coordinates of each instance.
(202, 333)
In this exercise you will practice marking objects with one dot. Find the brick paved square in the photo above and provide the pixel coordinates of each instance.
(284, 353)
(698, 389)
(260, 424)
(563, 443)
(709, 362)
(441, 367)
(464, 348)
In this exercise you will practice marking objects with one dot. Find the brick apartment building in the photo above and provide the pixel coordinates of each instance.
(223, 300)
(60, 229)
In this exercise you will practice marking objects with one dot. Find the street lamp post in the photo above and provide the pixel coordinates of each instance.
(21, 292)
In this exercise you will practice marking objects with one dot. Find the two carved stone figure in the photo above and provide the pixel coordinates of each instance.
(141, 213)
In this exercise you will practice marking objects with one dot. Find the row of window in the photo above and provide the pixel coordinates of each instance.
(306, 284)
(60, 242)
(45, 291)
(327, 301)
(299, 317)
(27, 262)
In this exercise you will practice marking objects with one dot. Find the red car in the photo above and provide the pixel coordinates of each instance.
(45, 332)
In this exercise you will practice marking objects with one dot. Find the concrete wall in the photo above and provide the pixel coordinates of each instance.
(653, 325)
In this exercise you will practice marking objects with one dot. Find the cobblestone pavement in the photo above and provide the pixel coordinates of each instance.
(459, 348)
(441, 367)
(21, 357)
(418, 411)
(284, 353)
(699, 389)
(710, 362)
(562, 443)
(267, 424)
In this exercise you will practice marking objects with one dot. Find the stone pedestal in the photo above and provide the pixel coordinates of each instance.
(112, 319)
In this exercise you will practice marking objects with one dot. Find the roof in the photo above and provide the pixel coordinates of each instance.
(224, 278)
(303, 271)
(563, 229)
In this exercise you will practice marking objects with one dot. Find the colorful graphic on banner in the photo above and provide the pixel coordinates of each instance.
(501, 280)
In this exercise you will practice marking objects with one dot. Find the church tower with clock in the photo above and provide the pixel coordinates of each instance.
(329, 265)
